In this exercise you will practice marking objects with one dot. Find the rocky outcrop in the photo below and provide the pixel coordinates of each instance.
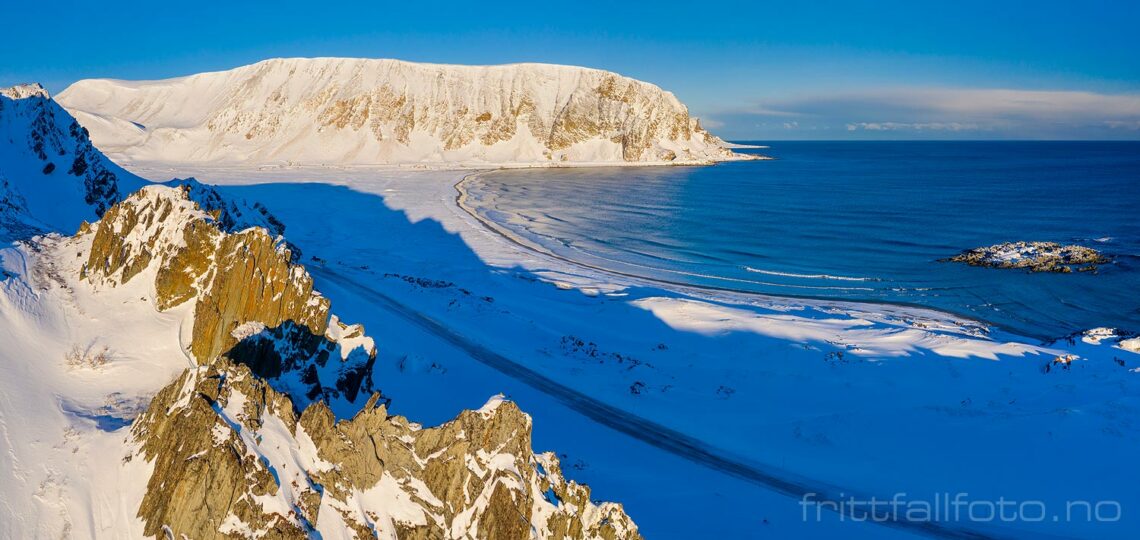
(1034, 256)
(252, 304)
(363, 111)
(278, 432)
(49, 160)
(230, 214)
(233, 459)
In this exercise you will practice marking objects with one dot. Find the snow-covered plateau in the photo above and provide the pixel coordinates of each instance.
(340, 111)
(173, 359)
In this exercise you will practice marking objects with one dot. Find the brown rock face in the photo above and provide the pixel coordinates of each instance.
(252, 280)
(203, 472)
(231, 455)
(251, 302)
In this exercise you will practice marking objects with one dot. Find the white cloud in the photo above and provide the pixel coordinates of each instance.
(915, 126)
(1120, 124)
(944, 112)
(966, 103)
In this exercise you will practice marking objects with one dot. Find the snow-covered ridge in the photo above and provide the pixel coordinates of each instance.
(370, 111)
(274, 473)
(50, 166)
(21, 91)
(93, 325)
(252, 304)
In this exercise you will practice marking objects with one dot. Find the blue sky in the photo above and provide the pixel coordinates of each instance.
(763, 70)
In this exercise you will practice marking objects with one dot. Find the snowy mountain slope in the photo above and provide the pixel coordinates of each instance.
(52, 179)
(251, 303)
(15, 220)
(82, 355)
(76, 366)
(50, 166)
(246, 442)
(366, 112)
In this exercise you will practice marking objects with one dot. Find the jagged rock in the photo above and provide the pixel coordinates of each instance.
(364, 111)
(232, 458)
(50, 161)
(251, 302)
(1034, 256)
(230, 450)
(58, 176)
(23, 91)
(231, 215)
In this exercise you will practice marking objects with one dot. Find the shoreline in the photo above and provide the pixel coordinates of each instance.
(210, 173)
(688, 288)
(143, 164)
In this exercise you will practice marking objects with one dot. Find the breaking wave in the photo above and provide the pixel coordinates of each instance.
(808, 276)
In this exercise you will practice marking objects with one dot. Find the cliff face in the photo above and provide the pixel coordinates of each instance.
(360, 111)
(252, 304)
(49, 163)
(232, 459)
(247, 444)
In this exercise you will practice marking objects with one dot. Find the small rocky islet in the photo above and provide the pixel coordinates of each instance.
(1034, 256)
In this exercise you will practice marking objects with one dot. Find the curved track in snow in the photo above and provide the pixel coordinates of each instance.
(642, 429)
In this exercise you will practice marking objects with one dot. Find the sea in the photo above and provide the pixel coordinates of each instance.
(858, 221)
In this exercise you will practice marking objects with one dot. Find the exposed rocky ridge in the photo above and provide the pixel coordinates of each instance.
(364, 111)
(233, 455)
(42, 146)
(232, 459)
(48, 159)
(251, 302)
(230, 214)
(1034, 256)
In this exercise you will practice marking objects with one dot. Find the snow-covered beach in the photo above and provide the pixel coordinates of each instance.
(834, 399)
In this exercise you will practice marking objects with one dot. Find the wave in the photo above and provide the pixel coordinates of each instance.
(809, 276)
(601, 257)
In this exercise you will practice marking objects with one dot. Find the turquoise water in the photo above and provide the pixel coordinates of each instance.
(855, 221)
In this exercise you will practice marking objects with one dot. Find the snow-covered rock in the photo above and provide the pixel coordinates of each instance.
(1035, 256)
(50, 167)
(232, 455)
(231, 214)
(1130, 344)
(233, 280)
(52, 179)
(271, 430)
(366, 112)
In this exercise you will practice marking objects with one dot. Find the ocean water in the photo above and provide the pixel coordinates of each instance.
(854, 221)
